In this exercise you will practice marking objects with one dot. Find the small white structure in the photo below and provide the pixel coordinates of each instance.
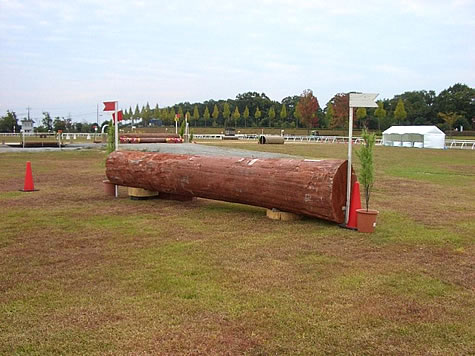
(27, 125)
(414, 136)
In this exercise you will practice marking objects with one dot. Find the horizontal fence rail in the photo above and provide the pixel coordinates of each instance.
(68, 137)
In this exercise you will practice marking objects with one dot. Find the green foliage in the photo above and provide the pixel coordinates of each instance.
(9, 122)
(226, 113)
(361, 114)
(236, 115)
(59, 124)
(110, 138)
(181, 132)
(245, 115)
(450, 118)
(172, 114)
(196, 114)
(215, 113)
(365, 155)
(329, 114)
(283, 112)
(47, 121)
(192, 134)
(380, 113)
(400, 113)
(271, 115)
(257, 114)
(206, 115)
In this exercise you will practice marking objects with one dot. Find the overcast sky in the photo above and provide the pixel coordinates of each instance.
(68, 56)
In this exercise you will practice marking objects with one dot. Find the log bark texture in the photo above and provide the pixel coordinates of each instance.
(315, 188)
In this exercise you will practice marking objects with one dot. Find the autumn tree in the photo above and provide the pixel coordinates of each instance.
(245, 115)
(307, 108)
(341, 104)
(400, 113)
(206, 115)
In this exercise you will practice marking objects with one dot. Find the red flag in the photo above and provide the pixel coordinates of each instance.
(109, 105)
(119, 114)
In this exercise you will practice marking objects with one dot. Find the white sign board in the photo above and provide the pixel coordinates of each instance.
(364, 100)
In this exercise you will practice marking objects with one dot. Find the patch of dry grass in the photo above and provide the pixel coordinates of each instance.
(84, 273)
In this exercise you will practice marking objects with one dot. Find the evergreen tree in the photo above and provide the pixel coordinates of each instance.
(400, 113)
(206, 115)
(136, 112)
(180, 112)
(245, 115)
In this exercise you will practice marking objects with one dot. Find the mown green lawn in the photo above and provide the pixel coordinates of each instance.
(83, 273)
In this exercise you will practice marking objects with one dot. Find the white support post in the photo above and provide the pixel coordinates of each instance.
(116, 131)
(348, 178)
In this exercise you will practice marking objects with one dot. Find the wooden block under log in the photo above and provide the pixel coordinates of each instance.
(314, 188)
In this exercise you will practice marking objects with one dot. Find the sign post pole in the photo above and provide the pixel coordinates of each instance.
(116, 131)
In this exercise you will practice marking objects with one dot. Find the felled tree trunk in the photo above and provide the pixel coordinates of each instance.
(315, 188)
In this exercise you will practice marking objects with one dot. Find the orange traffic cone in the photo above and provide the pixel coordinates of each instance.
(28, 186)
(355, 203)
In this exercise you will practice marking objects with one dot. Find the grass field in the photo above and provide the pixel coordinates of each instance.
(83, 273)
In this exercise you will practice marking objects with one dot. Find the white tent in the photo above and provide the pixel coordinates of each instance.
(414, 136)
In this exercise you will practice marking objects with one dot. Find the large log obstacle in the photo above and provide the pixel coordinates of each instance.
(315, 188)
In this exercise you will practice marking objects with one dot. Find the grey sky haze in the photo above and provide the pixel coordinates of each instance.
(68, 56)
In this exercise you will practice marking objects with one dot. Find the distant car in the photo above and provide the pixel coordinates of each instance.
(315, 133)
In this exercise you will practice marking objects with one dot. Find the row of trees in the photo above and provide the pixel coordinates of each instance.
(10, 123)
(453, 107)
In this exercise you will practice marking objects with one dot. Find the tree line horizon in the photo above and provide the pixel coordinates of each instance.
(451, 108)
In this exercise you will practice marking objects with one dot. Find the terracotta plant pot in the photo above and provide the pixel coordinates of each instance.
(109, 188)
(366, 220)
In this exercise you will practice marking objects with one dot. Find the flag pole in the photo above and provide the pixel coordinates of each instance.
(116, 131)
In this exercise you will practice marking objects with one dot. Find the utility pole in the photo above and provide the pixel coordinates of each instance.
(28, 108)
